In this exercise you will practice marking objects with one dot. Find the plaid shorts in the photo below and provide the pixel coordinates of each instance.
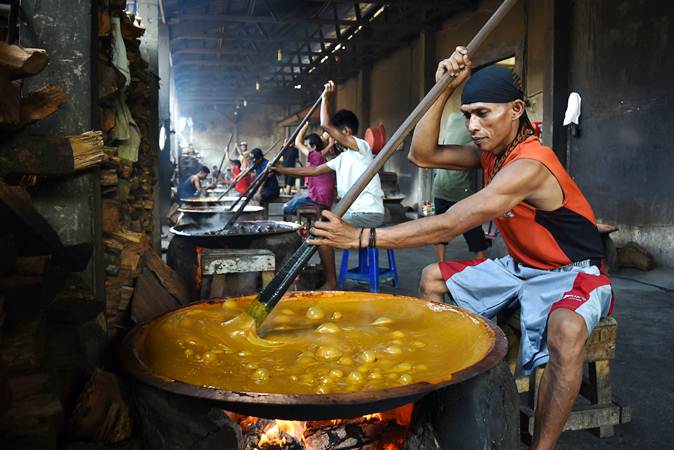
(486, 286)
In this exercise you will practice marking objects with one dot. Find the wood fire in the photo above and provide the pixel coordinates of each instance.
(379, 431)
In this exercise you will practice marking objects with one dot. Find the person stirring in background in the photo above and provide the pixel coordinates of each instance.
(270, 189)
(290, 156)
(368, 209)
(192, 185)
(452, 186)
(321, 188)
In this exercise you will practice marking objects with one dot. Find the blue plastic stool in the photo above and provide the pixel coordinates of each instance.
(368, 268)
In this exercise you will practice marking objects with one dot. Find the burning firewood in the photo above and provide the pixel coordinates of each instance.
(267, 434)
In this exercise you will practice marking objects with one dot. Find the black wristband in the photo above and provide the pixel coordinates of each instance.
(360, 239)
(373, 238)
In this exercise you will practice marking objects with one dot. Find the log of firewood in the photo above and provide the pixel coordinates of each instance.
(110, 216)
(44, 155)
(113, 245)
(75, 303)
(101, 413)
(10, 104)
(40, 104)
(31, 265)
(108, 177)
(23, 346)
(150, 299)
(36, 415)
(110, 81)
(104, 24)
(168, 277)
(108, 119)
(27, 219)
(130, 260)
(18, 62)
(132, 28)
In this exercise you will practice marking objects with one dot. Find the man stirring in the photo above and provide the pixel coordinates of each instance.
(552, 271)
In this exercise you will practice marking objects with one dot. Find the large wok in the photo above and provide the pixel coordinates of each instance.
(217, 215)
(209, 200)
(306, 406)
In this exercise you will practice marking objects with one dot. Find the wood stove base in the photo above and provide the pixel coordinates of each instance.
(480, 413)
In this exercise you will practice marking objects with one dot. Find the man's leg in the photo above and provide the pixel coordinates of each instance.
(327, 255)
(562, 377)
(432, 286)
(439, 252)
(476, 241)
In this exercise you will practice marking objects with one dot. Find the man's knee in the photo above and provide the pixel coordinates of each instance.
(567, 334)
(431, 280)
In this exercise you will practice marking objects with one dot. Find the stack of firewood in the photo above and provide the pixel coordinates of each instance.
(37, 155)
(127, 182)
(47, 311)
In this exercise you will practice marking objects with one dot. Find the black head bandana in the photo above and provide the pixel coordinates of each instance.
(492, 84)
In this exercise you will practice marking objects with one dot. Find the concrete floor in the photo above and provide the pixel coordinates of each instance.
(643, 369)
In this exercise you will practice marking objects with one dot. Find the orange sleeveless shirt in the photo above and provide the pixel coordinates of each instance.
(547, 239)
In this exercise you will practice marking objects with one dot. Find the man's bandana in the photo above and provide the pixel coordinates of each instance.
(492, 84)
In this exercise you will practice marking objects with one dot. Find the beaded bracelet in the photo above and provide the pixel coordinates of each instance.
(373, 238)
(360, 239)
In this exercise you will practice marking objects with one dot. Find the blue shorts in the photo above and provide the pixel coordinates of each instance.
(486, 286)
(298, 202)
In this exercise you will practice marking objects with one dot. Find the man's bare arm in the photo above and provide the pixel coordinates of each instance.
(326, 119)
(299, 140)
(425, 151)
(303, 171)
(514, 184)
(197, 184)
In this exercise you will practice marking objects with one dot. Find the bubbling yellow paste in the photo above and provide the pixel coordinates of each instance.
(316, 343)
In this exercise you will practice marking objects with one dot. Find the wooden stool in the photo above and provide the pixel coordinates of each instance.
(310, 213)
(603, 410)
(218, 266)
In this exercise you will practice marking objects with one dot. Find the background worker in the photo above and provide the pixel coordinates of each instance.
(269, 190)
(451, 186)
(192, 185)
(242, 185)
(321, 188)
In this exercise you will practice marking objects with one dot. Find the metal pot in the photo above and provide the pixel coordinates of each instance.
(282, 238)
(309, 406)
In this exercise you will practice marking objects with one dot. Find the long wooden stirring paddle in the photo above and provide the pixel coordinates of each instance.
(259, 181)
(225, 155)
(260, 308)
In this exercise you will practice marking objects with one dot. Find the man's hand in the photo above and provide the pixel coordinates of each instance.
(277, 169)
(329, 90)
(458, 66)
(335, 232)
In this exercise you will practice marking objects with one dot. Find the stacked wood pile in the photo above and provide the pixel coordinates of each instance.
(41, 288)
(127, 185)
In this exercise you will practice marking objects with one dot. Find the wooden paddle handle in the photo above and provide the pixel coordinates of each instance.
(418, 112)
(262, 177)
(224, 156)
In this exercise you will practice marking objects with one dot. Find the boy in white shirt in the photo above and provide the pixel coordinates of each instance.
(354, 158)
